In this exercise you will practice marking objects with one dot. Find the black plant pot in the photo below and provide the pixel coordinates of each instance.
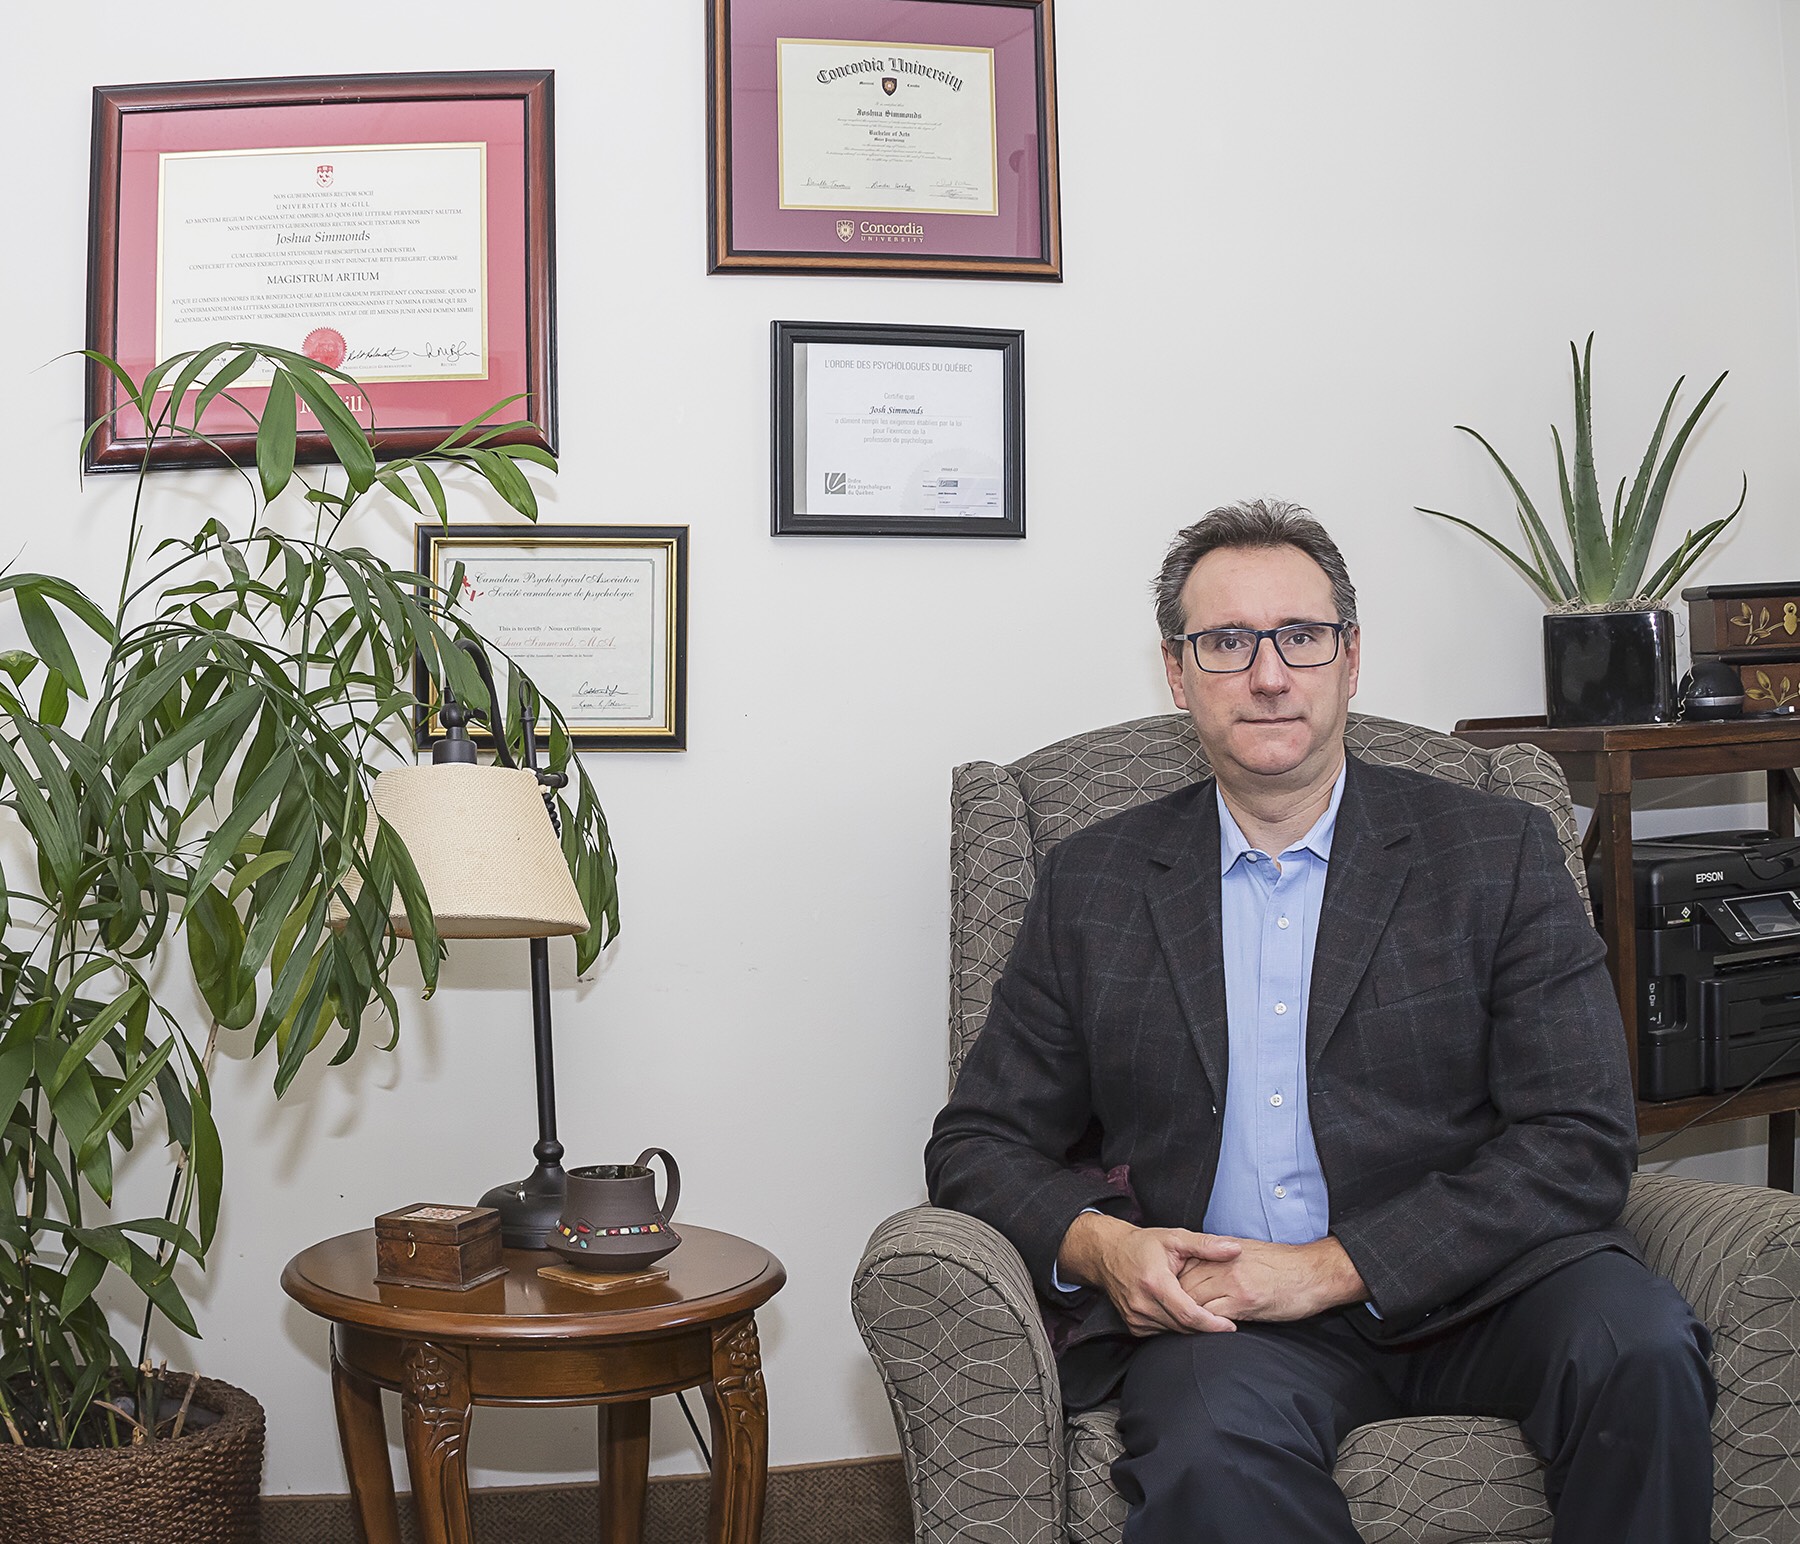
(1609, 667)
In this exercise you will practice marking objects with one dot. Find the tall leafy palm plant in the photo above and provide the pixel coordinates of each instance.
(189, 771)
(1608, 556)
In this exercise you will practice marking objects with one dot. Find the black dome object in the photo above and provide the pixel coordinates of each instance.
(1711, 690)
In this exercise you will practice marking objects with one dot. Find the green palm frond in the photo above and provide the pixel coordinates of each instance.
(190, 773)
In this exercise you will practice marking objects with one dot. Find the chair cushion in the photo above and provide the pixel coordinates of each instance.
(1427, 1480)
(1443, 1479)
(1095, 1510)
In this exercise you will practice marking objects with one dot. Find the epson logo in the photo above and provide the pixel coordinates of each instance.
(1710, 877)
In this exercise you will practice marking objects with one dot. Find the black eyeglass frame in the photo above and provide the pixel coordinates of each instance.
(1337, 630)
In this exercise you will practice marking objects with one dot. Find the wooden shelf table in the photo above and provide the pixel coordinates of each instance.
(1614, 759)
(522, 1340)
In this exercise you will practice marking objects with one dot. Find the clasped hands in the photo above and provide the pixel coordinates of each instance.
(1172, 1279)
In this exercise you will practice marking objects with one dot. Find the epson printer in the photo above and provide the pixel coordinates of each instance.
(1718, 953)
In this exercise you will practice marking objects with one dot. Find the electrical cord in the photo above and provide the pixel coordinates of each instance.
(704, 1453)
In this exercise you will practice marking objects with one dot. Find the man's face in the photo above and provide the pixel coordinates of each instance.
(1270, 721)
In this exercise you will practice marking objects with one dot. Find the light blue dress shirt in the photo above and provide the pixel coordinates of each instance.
(1269, 1183)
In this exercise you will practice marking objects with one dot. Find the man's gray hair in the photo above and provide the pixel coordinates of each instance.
(1258, 523)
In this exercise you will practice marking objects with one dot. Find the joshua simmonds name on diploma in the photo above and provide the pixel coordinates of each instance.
(372, 258)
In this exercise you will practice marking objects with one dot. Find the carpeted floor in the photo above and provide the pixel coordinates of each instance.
(858, 1502)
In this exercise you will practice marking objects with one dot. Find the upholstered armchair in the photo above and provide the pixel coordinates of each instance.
(948, 1313)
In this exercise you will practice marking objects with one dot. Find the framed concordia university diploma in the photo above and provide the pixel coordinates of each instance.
(596, 615)
(898, 136)
(898, 431)
(395, 227)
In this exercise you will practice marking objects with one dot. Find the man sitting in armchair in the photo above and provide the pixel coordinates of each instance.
(1305, 1092)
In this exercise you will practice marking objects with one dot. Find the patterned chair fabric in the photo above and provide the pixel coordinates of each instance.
(947, 1310)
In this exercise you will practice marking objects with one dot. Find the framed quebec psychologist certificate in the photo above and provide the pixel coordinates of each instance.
(898, 431)
(397, 228)
(596, 615)
(884, 136)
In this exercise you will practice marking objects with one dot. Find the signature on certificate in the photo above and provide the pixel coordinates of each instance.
(442, 354)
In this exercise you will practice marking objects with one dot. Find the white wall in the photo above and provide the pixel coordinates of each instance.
(1303, 240)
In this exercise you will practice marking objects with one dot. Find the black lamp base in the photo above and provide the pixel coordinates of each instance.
(529, 1208)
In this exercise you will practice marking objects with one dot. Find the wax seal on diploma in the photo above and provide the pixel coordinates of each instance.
(325, 344)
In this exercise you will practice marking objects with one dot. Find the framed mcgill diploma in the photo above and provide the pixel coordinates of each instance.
(596, 615)
(883, 136)
(898, 431)
(398, 228)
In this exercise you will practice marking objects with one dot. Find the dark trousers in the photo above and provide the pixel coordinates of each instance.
(1232, 1437)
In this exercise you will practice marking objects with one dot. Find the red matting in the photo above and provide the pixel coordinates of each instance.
(1024, 137)
(408, 415)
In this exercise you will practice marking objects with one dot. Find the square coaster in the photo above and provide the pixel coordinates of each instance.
(601, 1281)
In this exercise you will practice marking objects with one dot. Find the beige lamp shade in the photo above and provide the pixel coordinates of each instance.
(484, 848)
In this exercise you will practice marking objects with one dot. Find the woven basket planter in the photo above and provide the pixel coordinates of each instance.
(203, 1488)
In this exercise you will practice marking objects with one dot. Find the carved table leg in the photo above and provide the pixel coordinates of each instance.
(624, 1470)
(434, 1409)
(364, 1440)
(740, 1434)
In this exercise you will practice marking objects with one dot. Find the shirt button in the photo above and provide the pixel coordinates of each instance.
(1281, 1192)
(1281, 1007)
(1282, 923)
(1275, 1099)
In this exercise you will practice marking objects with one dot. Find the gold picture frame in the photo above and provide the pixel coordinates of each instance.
(596, 615)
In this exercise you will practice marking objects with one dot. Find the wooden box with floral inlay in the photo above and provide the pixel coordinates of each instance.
(429, 1245)
(1732, 620)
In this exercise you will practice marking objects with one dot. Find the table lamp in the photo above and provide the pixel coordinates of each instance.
(484, 841)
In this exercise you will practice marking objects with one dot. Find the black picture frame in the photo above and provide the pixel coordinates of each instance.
(788, 518)
(748, 231)
(440, 547)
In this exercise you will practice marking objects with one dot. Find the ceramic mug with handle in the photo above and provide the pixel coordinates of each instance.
(611, 1219)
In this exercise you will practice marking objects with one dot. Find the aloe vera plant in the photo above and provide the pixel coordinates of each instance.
(1607, 556)
(203, 791)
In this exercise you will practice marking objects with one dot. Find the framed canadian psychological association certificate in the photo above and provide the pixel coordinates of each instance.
(898, 431)
(887, 136)
(395, 227)
(596, 615)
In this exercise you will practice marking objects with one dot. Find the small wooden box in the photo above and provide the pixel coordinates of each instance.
(1733, 618)
(432, 1245)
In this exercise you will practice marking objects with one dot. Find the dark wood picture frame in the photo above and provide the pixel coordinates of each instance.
(786, 519)
(434, 541)
(944, 249)
(533, 322)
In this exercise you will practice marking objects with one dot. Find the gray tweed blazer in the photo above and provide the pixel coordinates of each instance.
(1469, 1090)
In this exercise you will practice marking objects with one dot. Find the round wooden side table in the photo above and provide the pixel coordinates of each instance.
(522, 1340)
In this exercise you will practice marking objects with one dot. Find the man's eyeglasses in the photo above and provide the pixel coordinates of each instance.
(1228, 650)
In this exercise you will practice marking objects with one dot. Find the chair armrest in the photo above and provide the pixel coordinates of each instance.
(948, 1313)
(1734, 1253)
